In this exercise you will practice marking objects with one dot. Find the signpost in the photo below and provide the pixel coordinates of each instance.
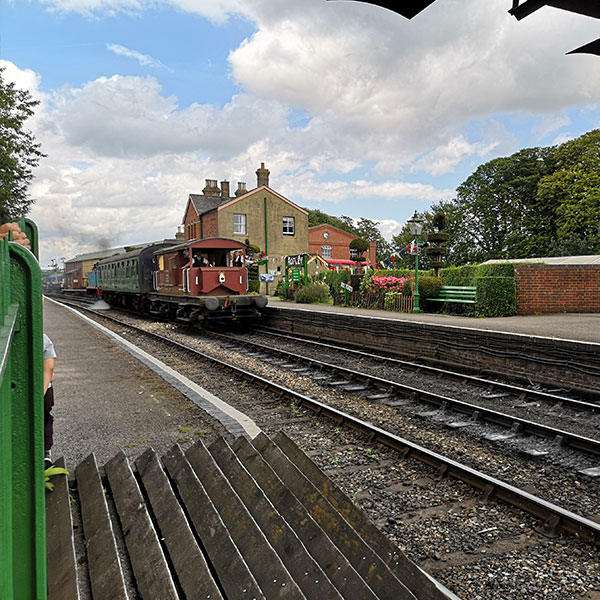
(298, 274)
(347, 289)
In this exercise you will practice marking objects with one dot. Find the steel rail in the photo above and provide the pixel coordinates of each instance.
(473, 411)
(554, 517)
(523, 393)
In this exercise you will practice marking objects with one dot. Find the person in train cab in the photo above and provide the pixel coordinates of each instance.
(17, 235)
(49, 356)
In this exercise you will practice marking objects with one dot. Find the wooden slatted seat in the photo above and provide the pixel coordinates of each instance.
(456, 293)
(254, 520)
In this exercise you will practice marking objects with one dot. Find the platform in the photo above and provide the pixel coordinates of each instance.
(580, 327)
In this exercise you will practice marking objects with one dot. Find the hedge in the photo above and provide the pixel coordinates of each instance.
(496, 296)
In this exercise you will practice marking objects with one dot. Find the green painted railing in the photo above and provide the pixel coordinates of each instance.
(22, 507)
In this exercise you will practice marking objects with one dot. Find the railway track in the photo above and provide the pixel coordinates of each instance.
(413, 504)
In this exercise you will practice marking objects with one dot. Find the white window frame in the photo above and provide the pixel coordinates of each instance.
(353, 253)
(239, 225)
(289, 226)
(326, 251)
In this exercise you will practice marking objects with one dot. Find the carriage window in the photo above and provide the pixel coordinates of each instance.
(239, 224)
(289, 225)
(326, 251)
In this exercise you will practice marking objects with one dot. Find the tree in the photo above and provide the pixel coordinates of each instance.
(19, 154)
(361, 246)
(369, 230)
(437, 238)
(317, 217)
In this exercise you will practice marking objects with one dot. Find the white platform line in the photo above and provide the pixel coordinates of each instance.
(236, 422)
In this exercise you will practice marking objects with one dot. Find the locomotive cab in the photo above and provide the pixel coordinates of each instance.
(209, 267)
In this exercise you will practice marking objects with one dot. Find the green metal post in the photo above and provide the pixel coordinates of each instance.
(22, 506)
(305, 267)
(416, 308)
(266, 243)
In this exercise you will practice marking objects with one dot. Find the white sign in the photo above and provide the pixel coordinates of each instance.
(346, 286)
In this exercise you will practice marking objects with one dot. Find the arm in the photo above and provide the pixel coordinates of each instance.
(48, 372)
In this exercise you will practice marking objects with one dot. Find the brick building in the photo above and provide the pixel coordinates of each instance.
(333, 245)
(262, 216)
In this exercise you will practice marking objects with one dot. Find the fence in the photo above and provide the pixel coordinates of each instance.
(22, 507)
(399, 303)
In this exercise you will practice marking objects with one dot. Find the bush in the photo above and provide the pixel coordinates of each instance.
(312, 293)
(496, 297)
(429, 287)
(253, 286)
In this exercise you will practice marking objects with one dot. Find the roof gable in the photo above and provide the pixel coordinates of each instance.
(327, 226)
(262, 188)
(203, 204)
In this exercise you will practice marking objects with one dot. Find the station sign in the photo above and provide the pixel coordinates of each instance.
(297, 260)
(296, 275)
(346, 286)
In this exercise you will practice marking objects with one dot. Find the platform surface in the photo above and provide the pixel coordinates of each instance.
(582, 327)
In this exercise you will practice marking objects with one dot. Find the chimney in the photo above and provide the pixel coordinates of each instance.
(211, 189)
(225, 189)
(241, 189)
(262, 176)
(180, 236)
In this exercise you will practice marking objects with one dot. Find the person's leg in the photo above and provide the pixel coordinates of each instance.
(48, 423)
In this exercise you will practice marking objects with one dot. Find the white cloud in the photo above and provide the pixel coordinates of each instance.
(382, 96)
(144, 59)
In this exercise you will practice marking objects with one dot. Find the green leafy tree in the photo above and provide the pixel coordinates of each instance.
(19, 154)
(361, 246)
(368, 229)
(317, 217)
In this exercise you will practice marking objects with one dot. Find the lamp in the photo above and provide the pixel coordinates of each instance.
(415, 226)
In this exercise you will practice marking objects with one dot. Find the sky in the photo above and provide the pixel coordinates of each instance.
(354, 109)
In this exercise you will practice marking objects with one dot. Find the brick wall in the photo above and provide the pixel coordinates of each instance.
(338, 240)
(210, 225)
(557, 288)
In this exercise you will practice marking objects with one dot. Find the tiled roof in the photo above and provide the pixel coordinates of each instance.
(204, 204)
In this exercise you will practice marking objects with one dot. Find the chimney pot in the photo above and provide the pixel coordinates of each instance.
(262, 176)
(225, 189)
(241, 188)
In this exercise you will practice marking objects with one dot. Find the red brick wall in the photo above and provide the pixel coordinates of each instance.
(210, 225)
(190, 224)
(557, 288)
(338, 240)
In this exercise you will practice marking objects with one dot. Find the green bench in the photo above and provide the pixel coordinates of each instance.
(456, 293)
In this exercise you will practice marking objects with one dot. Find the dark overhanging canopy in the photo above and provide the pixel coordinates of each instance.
(590, 8)
(520, 9)
(406, 8)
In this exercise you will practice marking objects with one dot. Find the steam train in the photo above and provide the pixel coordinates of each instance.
(199, 281)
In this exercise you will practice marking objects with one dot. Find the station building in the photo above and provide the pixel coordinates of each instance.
(261, 216)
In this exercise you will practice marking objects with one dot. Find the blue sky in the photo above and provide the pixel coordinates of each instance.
(354, 109)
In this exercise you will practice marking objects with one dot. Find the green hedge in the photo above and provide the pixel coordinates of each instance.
(312, 293)
(496, 296)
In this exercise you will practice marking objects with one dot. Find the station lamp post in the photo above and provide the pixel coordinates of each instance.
(415, 226)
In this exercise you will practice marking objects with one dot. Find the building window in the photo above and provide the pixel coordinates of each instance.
(326, 251)
(353, 253)
(239, 224)
(289, 224)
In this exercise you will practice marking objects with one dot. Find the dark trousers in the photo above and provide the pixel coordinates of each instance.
(48, 418)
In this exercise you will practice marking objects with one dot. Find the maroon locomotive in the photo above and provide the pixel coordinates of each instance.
(196, 281)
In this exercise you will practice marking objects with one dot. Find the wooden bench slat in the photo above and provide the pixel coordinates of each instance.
(367, 563)
(61, 563)
(234, 576)
(306, 572)
(333, 562)
(406, 570)
(105, 571)
(264, 563)
(152, 575)
(188, 561)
